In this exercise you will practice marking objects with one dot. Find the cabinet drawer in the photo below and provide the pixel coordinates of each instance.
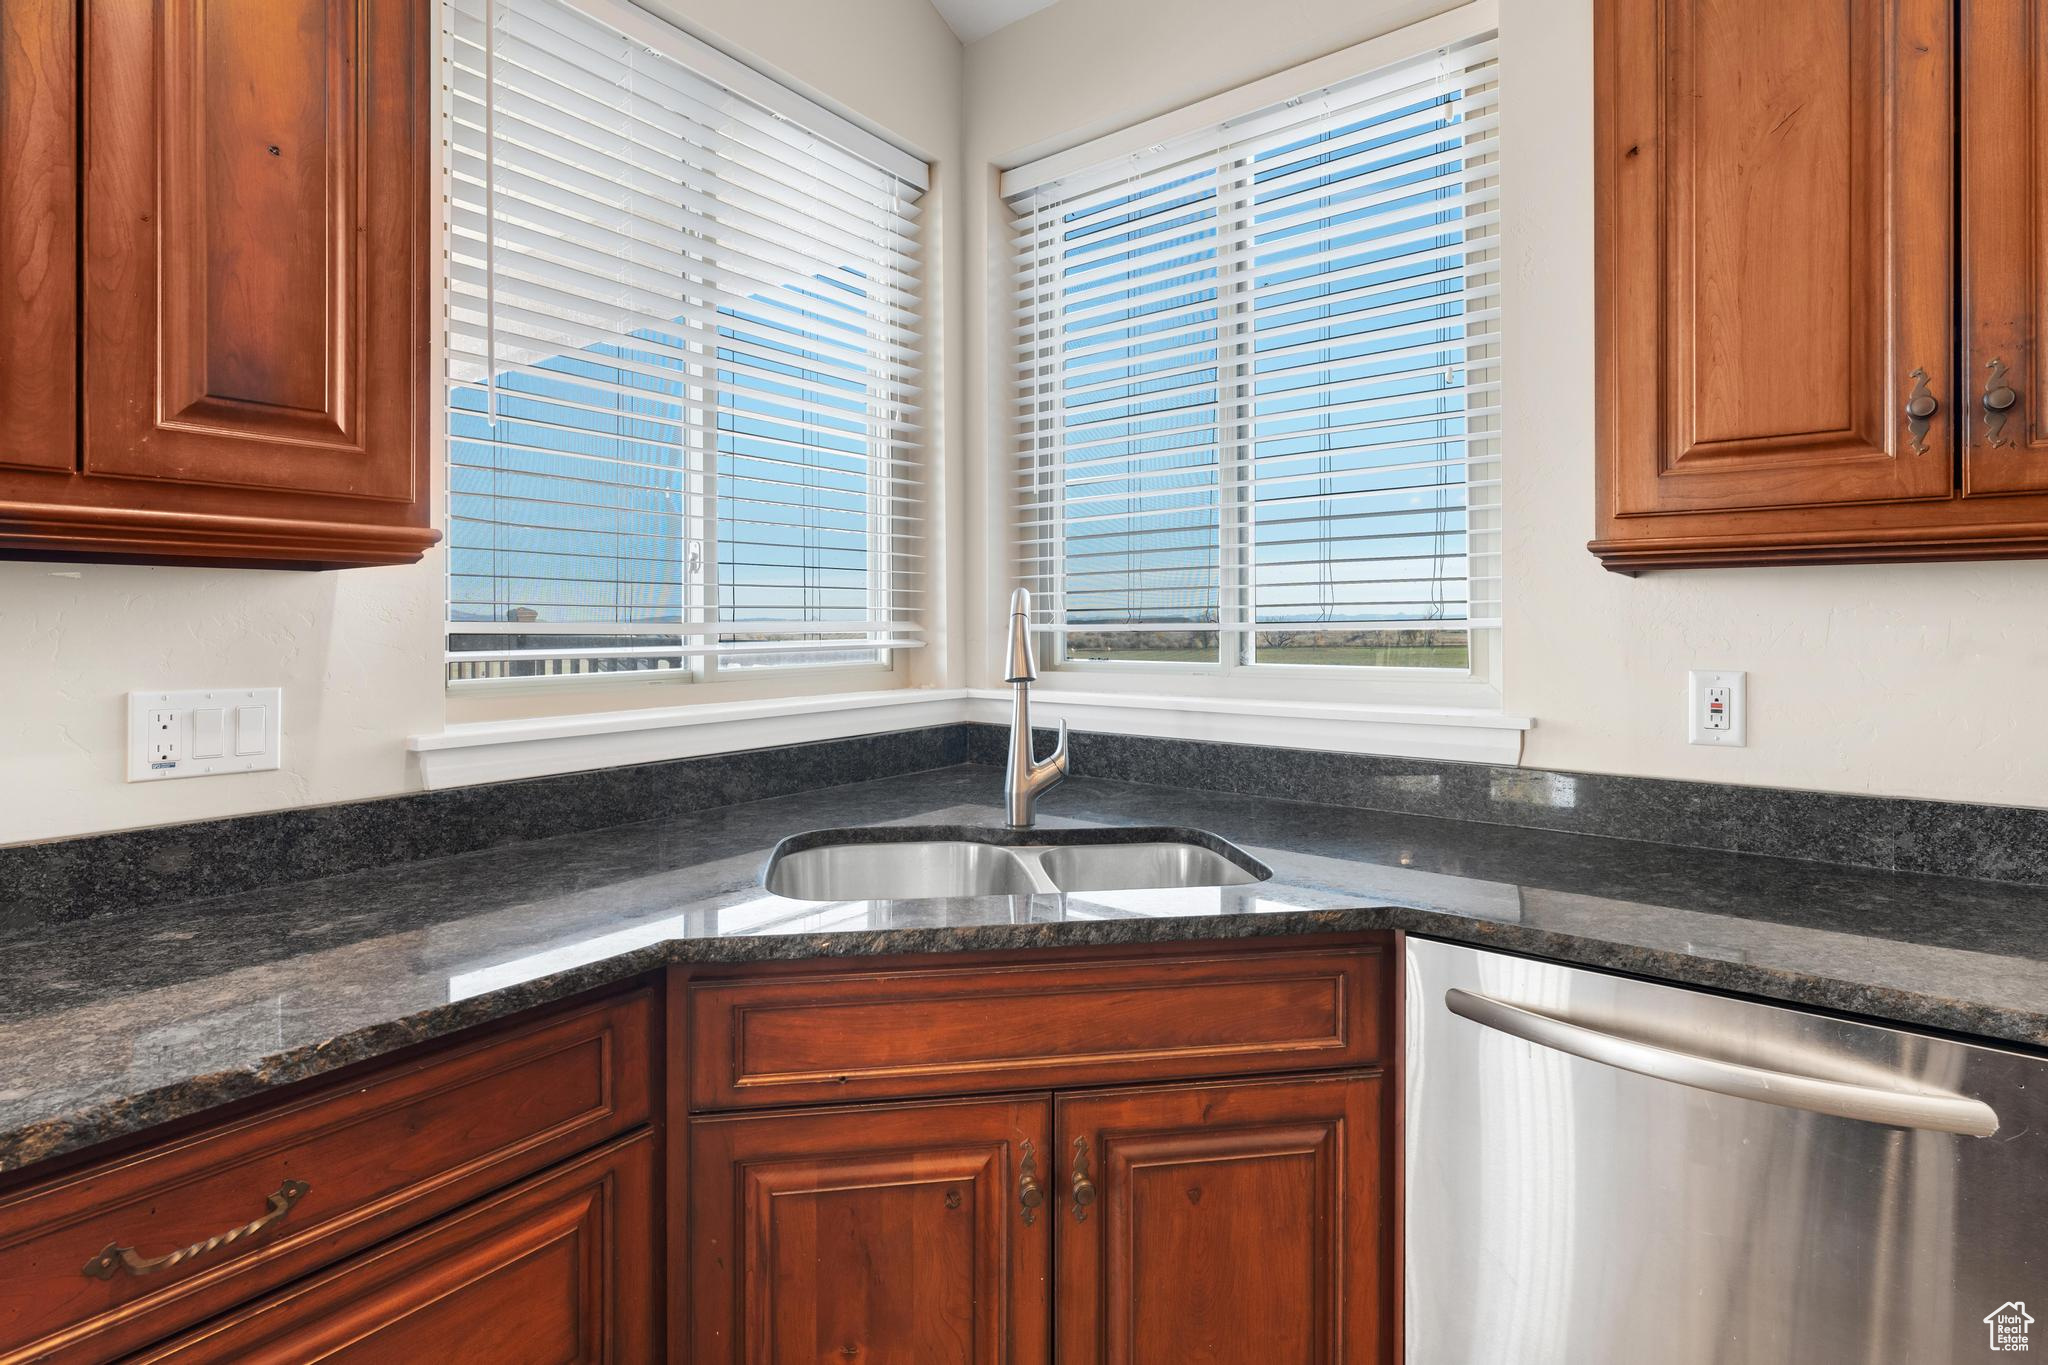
(562, 1268)
(266, 1199)
(937, 1030)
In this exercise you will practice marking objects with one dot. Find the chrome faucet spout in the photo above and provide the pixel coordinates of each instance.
(1026, 776)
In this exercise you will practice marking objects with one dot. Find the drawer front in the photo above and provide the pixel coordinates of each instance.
(561, 1269)
(266, 1199)
(936, 1030)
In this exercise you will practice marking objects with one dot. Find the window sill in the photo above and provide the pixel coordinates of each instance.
(501, 750)
(497, 751)
(1454, 733)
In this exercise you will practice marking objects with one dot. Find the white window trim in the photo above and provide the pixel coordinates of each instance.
(1203, 115)
(1480, 687)
(500, 750)
(496, 751)
(765, 90)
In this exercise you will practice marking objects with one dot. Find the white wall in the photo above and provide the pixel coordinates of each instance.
(1897, 679)
(1900, 679)
(358, 652)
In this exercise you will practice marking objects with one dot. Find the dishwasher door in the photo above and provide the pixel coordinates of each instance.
(1666, 1177)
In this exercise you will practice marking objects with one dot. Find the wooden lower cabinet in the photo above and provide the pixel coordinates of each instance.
(1240, 1223)
(540, 1193)
(562, 1270)
(1230, 1223)
(904, 1234)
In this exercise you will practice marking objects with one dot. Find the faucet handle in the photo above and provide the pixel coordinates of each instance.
(1022, 667)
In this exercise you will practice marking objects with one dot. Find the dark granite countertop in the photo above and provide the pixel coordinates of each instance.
(111, 1024)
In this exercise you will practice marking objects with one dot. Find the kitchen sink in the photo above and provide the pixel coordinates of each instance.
(913, 862)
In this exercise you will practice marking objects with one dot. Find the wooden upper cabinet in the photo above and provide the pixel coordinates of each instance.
(253, 264)
(38, 235)
(1241, 1220)
(1775, 271)
(2005, 247)
(1819, 248)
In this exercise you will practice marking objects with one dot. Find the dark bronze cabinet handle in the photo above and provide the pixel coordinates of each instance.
(1999, 399)
(1921, 405)
(1029, 1195)
(1084, 1188)
(117, 1258)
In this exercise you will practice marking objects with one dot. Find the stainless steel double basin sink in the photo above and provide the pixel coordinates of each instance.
(912, 862)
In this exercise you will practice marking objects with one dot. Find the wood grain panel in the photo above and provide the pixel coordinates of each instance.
(379, 1155)
(254, 278)
(887, 1235)
(560, 1271)
(937, 1031)
(1774, 259)
(1236, 1217)
(2004, 244)
(39, 234)
(220, 210)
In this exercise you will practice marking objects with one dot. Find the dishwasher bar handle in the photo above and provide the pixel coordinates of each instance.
(1896, 1108)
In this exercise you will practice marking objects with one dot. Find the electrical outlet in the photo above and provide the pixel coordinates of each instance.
(199, 734)
(166, 739)
(1717, 708)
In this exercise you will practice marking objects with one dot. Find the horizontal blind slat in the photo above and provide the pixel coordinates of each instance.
(1258, 374)
(684, 368)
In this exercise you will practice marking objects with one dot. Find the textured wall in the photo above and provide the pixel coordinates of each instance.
(358, 652)
(1910, 680)
(1899, 679)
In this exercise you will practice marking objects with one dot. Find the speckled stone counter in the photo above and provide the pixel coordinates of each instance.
(111, 1024)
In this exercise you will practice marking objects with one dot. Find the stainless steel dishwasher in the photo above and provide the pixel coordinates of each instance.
(1603, 1171)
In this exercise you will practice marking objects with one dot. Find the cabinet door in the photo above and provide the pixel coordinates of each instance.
(907, 1234)
(559, 1271)
(1774, 253)
(38, 234)
(1225, 1224)
(215, 280)
(2005, 246)
(253, 258)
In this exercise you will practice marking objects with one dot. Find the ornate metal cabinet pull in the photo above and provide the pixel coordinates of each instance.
(1084, 1188)
(1921, 405)
(117, 1258)
(1999, 399)
(1029, 1195)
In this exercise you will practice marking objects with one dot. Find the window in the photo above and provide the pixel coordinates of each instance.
(1259, 384)
(682, 339)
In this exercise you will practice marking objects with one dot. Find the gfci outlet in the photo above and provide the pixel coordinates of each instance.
(200, 734)
(1717, 707)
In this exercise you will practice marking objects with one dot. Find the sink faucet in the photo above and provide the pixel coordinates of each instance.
(1026, 777)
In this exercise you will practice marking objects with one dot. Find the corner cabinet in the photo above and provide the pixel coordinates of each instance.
(1061, 1217)
(1107, 1155)
(1819, 255)
(215, 281)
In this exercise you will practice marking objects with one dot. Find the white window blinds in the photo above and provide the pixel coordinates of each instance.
(683, 340)
(1259, 382)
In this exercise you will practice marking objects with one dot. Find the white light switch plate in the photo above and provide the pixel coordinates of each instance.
(1717, 707)
(199, 734)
